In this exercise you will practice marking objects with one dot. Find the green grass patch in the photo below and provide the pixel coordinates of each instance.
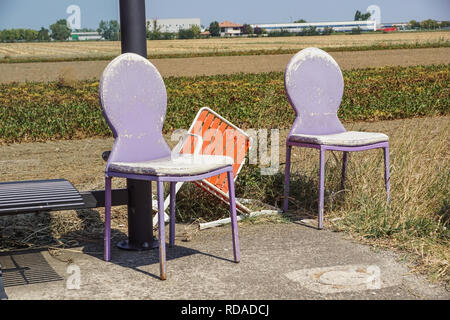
(70, 110)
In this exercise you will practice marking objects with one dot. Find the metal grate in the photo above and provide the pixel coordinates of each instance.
(26, 268)
(34, 196)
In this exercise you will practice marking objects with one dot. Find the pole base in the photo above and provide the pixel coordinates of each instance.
(127, 245)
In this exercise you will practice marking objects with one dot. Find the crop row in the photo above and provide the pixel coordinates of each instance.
(441, 43)
(68, 110)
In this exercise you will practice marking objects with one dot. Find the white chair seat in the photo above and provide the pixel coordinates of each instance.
(180, 165)
(348, 138)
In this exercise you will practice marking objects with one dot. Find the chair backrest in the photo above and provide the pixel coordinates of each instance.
(134, 100)
(314, 86)
(221, 138)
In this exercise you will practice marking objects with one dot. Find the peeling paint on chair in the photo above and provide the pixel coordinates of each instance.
(134, 101)
(314, 86)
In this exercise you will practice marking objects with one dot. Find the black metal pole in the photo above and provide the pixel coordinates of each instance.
(140, 225)
(133, 27)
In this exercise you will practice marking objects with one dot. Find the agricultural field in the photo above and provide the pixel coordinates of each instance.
(70, 71)
(55, 129)
(67, 109)
(13, 52)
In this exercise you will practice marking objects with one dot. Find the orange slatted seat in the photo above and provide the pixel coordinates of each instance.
(220, 137)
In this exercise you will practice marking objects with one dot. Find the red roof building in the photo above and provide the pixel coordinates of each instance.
(230, 29)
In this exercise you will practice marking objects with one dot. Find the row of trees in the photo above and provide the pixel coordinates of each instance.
(429, 24)
(309, 31)
(154, 32)
(110, 30)
(59, 31)
(361, 16)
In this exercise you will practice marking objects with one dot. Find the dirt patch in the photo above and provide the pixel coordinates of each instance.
(52, 71)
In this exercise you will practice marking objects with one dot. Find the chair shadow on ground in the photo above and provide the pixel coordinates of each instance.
(303, 205)
(93, 246)
(134, 260)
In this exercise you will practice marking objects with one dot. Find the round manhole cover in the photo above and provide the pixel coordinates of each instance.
(343, 278)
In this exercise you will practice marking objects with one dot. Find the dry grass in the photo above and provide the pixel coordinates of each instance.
(417, 220)
(416, 224)
(96, 49)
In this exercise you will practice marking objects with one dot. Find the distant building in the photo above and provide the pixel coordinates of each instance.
(394, 25)
(230, 29)
(205, 34)
(340, 26)
(86, 36)
(173, 25)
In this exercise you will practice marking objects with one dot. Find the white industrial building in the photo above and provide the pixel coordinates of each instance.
(173, 25)
(83, 36)
(341, 26)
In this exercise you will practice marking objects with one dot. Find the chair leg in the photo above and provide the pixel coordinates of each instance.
(387, 178)
(344, 169)
(107, 236)
(321, 186)
(172, 213)
(287, 174)
(233, 216)
(161, 230)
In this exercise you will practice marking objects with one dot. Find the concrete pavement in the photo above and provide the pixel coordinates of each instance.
(282, 261)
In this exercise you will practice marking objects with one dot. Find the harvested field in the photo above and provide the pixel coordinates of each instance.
(84, 70)
(96, 49)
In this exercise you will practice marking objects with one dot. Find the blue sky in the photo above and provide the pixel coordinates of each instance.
(37, 13)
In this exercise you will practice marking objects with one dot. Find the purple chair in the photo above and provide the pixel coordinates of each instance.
(314, 86)
(134, 100)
